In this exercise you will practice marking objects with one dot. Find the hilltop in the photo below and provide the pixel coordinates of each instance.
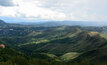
(2, 23)
(62, 44)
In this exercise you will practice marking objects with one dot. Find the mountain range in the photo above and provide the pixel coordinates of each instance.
(68, 23)
(50, 44)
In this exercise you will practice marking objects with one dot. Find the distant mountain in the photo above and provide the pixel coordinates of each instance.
(55, 23)
(2, 23)
(68, 23)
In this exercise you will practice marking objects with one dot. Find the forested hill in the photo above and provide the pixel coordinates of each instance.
(58, 45)
(9, 56)
(2, 23)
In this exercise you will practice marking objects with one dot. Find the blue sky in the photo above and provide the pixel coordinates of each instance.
(36, 10)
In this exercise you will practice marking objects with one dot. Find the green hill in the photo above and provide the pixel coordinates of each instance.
(53, 45)
(81, 42)
(94, 57)
(11, 57)
(2, 23)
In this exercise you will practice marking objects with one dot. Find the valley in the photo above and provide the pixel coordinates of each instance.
(53, 45)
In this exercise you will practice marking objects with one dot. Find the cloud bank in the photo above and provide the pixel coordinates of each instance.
(80, 10)
(6, 3)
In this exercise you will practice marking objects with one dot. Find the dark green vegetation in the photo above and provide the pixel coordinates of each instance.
(61, 45)
(11, 57)
(98, 56)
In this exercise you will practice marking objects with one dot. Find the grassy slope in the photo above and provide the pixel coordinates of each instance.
(79, 43)
(69, 56)
(98, 56)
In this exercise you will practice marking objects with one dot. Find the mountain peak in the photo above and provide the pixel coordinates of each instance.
(2, 23)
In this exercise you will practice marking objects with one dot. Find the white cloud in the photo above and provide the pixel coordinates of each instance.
(8, 11)
(30, 9)
(89, 10)
(6, 3)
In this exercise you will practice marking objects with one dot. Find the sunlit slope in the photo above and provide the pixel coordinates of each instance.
(96, 57)
(69, 56)
(79, 41)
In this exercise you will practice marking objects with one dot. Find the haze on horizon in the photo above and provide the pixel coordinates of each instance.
(58, 10)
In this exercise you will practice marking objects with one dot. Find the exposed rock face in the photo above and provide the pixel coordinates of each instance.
(2, 45)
